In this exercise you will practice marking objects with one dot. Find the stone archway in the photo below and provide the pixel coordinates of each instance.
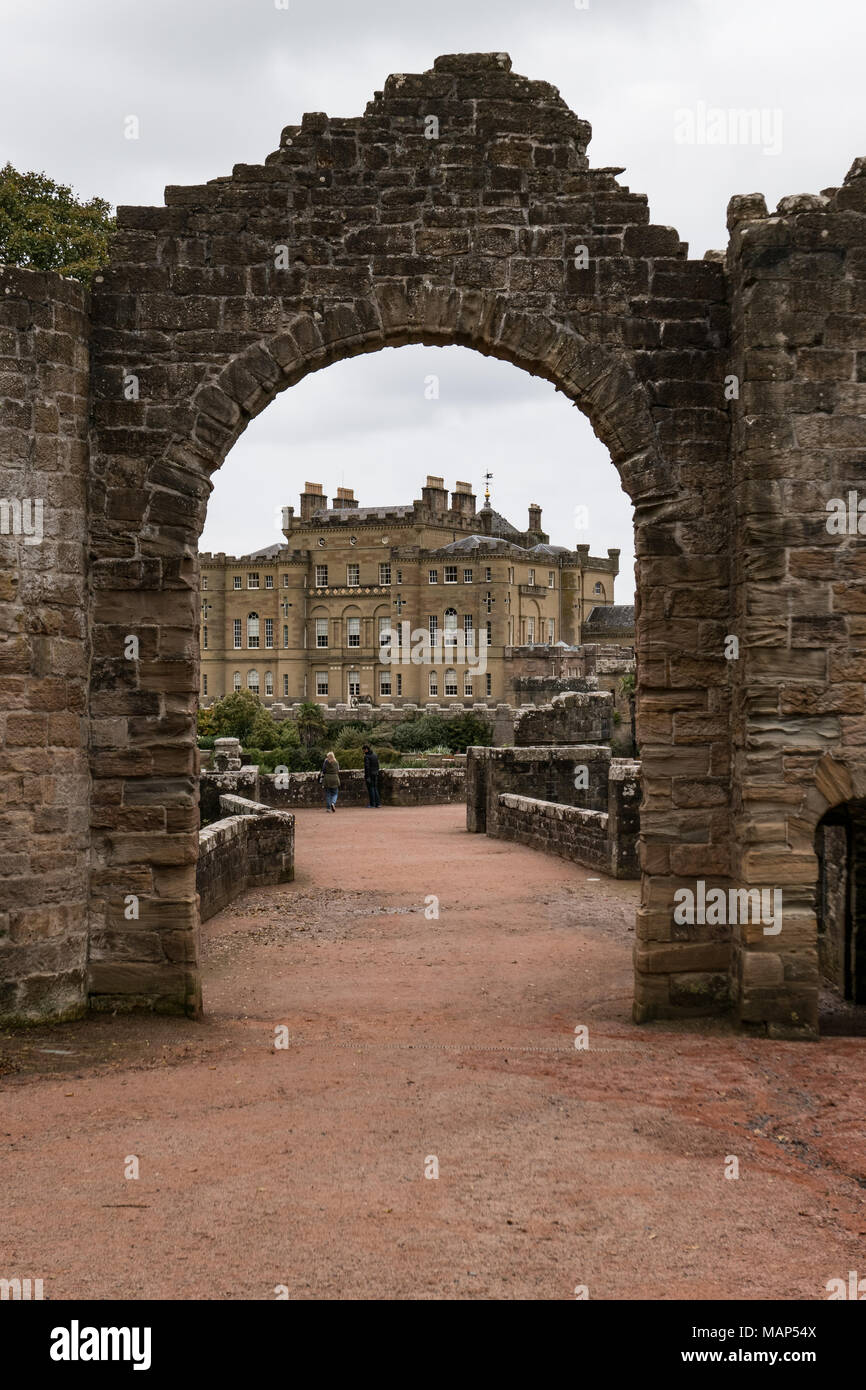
(461, 209)
(356, 235)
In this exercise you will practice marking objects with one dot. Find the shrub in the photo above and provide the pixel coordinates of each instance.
(206, 740)
(467, 730)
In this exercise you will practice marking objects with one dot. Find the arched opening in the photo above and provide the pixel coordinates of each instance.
(840, 908)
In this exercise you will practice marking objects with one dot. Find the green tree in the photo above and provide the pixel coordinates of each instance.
(235, 714)
(311, 724)
(467, 730)
(264, 734)
(287, 734)
(45, 227)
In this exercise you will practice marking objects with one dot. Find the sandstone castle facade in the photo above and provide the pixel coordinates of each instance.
(409, 603)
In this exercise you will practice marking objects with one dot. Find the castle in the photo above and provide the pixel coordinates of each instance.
(426, 600)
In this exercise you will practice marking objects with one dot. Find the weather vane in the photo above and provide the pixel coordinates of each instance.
(487, 480)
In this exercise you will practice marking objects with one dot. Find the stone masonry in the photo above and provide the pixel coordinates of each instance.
(729, 392)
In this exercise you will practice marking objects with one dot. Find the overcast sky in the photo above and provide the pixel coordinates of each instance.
(214, 81)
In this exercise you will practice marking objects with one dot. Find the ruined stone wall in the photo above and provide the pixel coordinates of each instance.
(409, 786)
(568, 831)
(572, 717)
(252, 846)
(357, 234)
(798, 291)
(44, 658)
(597, 826)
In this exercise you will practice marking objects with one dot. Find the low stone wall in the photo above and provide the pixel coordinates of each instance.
(572, 717)
(253, 846)
(408, 786)
(568, 831)
(515, 793)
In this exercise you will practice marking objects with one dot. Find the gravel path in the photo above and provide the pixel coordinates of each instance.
(413, 1038)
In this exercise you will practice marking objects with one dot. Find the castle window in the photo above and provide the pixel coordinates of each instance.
(551, 579)
(269, 581)
(434, 683)
(204, 685)
(253, 681)
(204, 581)
(354, 683)
(385, 574)
(550, 630)
(269, 682)
(285, 634)
(236, 581)
(269, 632)
(384, 682)
(204, 636)
(285, 685)
(321, 632)
(488, 574)
(530, 630)
(433, 576)
(467, 683)
(399, 683)
(490, 634)
(321, 576)
(467, 626)
(238, 633)
(489, 684)
(385, 637)
(531, 579)
(451, 627)
(353, 628)
(467, 576)
(285, 581)
(450, 682)
(321, 682)
(253, 580)
(399, 576)
(433, 626)
(353, 576)
(599, 589)
(236, 681)
(450, 574)
(252, 629)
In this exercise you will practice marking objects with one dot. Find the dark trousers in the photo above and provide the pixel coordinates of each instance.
(373, 789)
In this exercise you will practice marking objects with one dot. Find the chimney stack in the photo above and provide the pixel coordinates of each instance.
(463, 499)
(534, 517)
(435, 494)
(345, 498)
(311, 500)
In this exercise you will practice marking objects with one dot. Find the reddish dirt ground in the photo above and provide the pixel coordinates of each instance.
(412, 1037)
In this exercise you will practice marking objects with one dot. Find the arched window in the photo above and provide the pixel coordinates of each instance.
(450, 682)
(236, 680)
(269, 682)
(253, 681)
(434, 683)
(451, 627)
(599, 589)
(252, 629)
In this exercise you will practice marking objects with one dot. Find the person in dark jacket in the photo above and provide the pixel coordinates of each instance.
(371, 775)
(330, 779)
